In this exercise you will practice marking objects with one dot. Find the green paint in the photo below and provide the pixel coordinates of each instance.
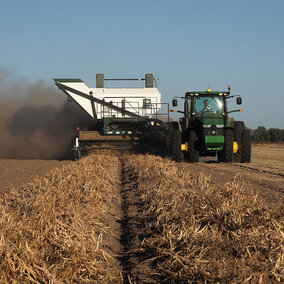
(211, 141)
(60, 80)
(212, 118)
(149, 81)
(100, 83)
(209, 93)
(106, 121)
(228, 123)
(119, 131)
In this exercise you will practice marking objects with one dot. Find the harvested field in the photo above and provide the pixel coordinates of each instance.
(188, 229)
(62, 227)
(265, 174)
(113, 218)
(19, 172)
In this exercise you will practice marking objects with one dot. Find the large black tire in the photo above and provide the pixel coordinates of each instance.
(246, 146)
(193, 154)
(177, 154)
(169, 139)
(175, 125)
(226, 155)
(220, 156)
(238, 130)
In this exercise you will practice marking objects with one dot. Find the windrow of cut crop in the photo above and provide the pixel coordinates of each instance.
(62, 227)
(197, 232)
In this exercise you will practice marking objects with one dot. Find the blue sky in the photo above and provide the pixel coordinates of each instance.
(186, 44)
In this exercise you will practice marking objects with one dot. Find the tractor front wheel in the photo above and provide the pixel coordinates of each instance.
(238, 130)
(193, 155)
(177, 154)
(246, 146)
(226, 155)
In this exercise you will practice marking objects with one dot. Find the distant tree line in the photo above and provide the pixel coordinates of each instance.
(261, 134)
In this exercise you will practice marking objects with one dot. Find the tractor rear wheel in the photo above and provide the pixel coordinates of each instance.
(177, 154)
(193, 155)
(226, 155)
(246, 146)
(238, 130)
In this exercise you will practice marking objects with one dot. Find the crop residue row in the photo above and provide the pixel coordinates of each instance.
(62, 227)
(200, 233)
(139, 219)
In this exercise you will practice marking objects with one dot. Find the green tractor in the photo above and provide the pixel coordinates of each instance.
(207, 130)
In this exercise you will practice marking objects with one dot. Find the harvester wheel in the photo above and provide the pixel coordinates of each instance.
(238, 130)
(193, 155)
(246, 146)
(177, 154)
(175, 125)
(226, 155)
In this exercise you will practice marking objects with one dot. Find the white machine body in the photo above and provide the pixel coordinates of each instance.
(139, 101)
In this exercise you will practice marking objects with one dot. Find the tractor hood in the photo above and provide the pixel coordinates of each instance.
(211, 119)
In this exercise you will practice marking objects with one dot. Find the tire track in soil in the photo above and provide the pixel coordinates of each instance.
(126, 221)
(260, 172)
(130, 220)
(257, 170)
(269, 186)
(133, 230)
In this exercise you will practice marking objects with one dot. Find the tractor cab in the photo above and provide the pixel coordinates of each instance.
(205, 107)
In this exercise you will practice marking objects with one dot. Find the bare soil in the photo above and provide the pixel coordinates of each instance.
(19, 172)
(265, 173)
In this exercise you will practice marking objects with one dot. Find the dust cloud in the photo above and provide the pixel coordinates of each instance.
(36, 121)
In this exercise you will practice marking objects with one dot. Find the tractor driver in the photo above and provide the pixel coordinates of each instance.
(207, 107)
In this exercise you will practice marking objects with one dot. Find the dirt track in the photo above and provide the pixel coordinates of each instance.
(19, 172)
(265, 174)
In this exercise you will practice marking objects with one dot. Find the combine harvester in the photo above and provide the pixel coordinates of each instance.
(123, 118)
(135, 118)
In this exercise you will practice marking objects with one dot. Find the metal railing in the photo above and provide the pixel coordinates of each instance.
(147, 109)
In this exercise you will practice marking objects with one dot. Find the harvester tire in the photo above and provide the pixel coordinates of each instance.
(238, 130)
(246, 146)
(175, 125)
(226, 155)
(177, 154)
(193, 154)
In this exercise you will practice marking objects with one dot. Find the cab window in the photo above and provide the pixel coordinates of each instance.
(213, 104)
